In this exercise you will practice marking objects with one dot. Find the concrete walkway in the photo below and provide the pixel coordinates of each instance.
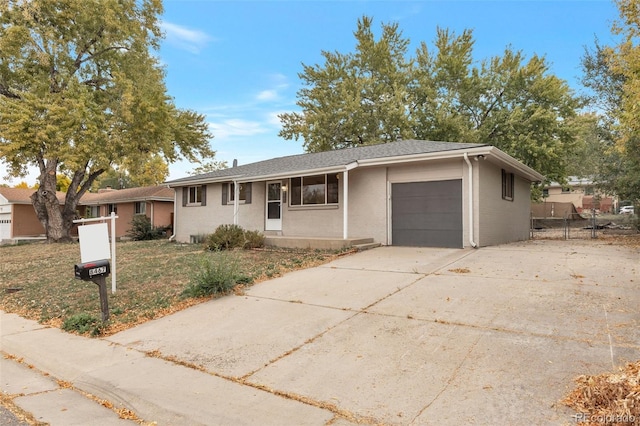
(387, 336)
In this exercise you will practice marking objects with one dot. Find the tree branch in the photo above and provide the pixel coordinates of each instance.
(93, 55)
(4, 91)
(86, 48)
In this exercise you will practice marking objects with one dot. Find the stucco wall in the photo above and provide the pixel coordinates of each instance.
(202, 220)
(502, 221)
(368, 204)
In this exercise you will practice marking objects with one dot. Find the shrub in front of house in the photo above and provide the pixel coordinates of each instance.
(227, 237)
(216, 275)
(253, 239)
(141, 229)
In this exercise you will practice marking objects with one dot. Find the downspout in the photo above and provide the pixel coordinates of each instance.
(345, 199)
(175, 212)
(471, 241)
(236, 195)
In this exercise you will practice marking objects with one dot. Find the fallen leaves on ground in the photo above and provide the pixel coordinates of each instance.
(611, 398)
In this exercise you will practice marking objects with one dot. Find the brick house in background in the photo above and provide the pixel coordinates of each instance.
(155, 202)
(18, 220)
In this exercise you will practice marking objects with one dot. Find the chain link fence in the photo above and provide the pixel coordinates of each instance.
(585, 225)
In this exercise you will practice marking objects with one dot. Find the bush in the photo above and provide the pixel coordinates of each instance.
(253, 239)
(83, 323)
(217, 275)
(228, 237)
(141, 229)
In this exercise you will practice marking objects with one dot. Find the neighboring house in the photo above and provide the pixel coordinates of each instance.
(406, 193)
(18, 220)
(156, 202)
(582, 193)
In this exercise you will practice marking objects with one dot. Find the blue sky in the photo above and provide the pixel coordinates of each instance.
(237, 62)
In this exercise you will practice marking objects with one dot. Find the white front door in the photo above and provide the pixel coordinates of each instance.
(273, 221)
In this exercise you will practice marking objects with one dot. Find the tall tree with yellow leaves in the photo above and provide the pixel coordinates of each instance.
(80, 92)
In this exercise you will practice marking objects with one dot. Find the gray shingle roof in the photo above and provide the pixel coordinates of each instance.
(303, 162)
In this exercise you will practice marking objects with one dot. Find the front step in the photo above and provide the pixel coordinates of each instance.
(366, 246)
(315, 242)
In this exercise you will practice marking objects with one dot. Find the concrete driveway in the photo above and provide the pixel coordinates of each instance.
(422, 336)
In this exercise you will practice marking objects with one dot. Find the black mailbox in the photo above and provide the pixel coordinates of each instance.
(90, 270)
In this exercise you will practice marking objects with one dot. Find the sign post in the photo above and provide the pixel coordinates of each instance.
(96, 242)
(96, 272)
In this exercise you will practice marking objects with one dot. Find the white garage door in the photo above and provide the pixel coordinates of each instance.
(5, 226)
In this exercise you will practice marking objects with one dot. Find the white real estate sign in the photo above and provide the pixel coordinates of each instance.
(94, 242)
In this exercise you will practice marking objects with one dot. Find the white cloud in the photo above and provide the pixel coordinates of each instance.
(267, 95)
(186, 38)
(236, 127)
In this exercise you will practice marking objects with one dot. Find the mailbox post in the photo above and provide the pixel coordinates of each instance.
(96, 272)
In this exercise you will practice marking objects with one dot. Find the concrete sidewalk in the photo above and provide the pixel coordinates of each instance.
(388, 336)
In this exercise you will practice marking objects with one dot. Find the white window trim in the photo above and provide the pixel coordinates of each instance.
(143, 209)
(197, 195)
(231, 194)
(303, 206)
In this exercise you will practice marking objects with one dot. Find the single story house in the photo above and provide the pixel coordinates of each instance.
(406, 193)
(156, 202)
(18, 220)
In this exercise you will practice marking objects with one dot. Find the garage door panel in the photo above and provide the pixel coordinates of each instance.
(436, 238)
(434, 222)
(427, 214)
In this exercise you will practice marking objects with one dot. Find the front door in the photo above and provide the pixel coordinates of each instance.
(273, 220)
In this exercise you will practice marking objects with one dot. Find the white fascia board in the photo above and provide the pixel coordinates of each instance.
(440, 155)
(488, 151)
(517, 166)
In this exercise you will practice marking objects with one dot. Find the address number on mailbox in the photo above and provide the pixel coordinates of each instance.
(88, 271)
(97, 271)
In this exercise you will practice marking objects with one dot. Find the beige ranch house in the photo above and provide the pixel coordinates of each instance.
(403, 193)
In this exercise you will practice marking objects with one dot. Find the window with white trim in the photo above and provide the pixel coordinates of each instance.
(140, 207)
(242, 192)
(195, 195)
(93, 211)
(112, 208)
(314, 190)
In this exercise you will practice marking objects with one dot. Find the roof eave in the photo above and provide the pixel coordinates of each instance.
(124, 200)
(516, 165)
(439, 155)
(200, 181)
